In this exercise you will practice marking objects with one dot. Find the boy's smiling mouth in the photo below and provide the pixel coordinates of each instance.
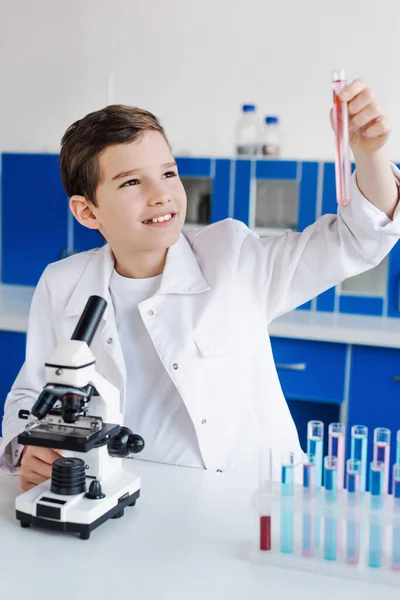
(161, 220)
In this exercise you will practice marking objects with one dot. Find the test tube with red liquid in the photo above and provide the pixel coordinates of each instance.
(342, 144)
(265, 497)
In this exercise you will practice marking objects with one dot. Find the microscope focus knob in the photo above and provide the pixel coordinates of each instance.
(125, 443)
(95, 491)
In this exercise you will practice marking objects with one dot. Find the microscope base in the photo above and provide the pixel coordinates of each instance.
(78, 514)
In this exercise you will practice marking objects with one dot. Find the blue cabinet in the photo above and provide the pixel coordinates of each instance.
(374, 398)
(12, 352)
(312, 375)
(34, 216)
(308, 370)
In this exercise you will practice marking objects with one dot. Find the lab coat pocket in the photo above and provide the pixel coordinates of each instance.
(214, 343)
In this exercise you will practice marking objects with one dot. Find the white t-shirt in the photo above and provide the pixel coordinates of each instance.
(153, 408)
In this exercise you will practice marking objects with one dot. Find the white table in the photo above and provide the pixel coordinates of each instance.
(188, 538)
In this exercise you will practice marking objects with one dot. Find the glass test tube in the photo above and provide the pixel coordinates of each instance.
(376, 487)
(330, 524)
(382, 453)
(353, 474)
(265, 497)
(287, 491)
(336, 447)
(308, 506)
(398, 447)
(396, 524)
(342, 144)
(359, 446)
(315, 442)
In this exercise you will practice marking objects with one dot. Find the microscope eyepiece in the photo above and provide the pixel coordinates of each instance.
(90, 320)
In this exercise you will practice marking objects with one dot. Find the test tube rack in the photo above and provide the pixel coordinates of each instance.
(359, 536)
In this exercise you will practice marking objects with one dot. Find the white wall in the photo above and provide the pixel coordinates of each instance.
(193, 63)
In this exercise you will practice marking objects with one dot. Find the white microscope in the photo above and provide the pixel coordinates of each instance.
(79, 411)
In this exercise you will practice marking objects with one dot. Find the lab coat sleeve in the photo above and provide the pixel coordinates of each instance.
(31, 378)
(284, 272)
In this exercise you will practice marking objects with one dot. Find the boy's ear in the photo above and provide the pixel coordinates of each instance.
(82, 209)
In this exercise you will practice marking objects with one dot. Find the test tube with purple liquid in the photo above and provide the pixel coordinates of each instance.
(382, 453)
(336, 448)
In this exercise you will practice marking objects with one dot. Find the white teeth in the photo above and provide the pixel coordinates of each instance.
(160, 219)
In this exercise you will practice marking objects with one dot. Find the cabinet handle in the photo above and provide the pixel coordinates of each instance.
(397, 378)
(293, 367)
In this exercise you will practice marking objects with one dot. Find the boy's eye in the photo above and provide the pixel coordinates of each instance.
(169, 174)
(130, 182)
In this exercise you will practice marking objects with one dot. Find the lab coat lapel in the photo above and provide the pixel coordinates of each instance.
(95, 281)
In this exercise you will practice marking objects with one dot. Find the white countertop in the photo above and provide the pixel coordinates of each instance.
(335, 327)
(189, 537)
(301, 324)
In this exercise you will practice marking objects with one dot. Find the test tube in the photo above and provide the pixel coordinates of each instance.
(342, 144)
(398, 447)
(330, 525)
(376, 488)
(287, 491)
(336, 448)
(353, 473)
(359, 446)
(396, 519)
(265, 497)
(308, 506)
(382, 453)
(315, 442)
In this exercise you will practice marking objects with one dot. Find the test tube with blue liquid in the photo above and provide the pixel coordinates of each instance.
(396, 510)
(287, 491)
(376, 488)
(315, 450)
(336, 448)
(308, 506)
(353, 485)
(315, 443)
(382, 453)
(359, 447)
(398, 448)
(330, 526)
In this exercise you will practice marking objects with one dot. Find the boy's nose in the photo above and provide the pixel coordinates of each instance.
(160, 199)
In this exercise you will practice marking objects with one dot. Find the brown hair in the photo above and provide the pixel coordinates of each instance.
(85, 139)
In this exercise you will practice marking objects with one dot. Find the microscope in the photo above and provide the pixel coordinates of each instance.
(79, 412)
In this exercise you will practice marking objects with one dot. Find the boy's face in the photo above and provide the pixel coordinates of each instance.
(140, 183)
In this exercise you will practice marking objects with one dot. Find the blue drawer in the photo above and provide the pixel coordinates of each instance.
(310, 370)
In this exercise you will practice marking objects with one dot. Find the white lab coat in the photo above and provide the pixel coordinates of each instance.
(221, 287)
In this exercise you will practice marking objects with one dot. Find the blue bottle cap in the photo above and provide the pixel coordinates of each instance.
(271, 120)
(248, 107)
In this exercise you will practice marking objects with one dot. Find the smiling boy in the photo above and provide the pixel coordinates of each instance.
(184, 336)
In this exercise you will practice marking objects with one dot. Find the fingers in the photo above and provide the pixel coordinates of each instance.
(48, 455)
(366, 116)
(382, 126)
(39, 467)
(361, 101)
(31, 480)
(36, 465)
(352, 90)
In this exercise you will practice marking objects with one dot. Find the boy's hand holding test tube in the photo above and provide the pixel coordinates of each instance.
(368, 130)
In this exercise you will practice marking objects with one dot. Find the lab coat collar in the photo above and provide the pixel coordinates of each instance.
(182, 275)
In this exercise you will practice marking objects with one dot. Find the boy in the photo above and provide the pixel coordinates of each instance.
(184, 336)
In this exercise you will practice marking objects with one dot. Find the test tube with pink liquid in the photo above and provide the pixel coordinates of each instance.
(382, 453)
(336, 448)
